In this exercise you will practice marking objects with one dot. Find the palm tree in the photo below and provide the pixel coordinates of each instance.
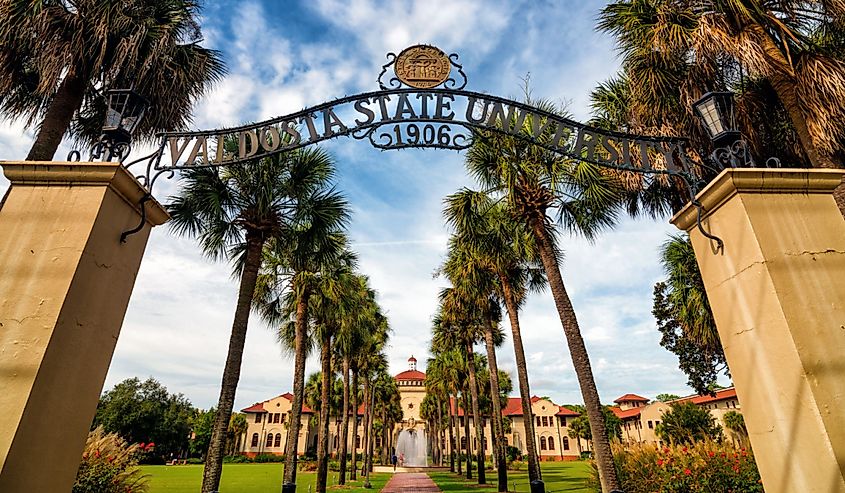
(784, 58)
(296, 267)
(457, 326)
(370, 363)
(469, 275)
(493, 240)
(234, 212)
(348, 342)
(237, 427)
(56, 57)
(332, 301)
(438, 383)
(545, 191)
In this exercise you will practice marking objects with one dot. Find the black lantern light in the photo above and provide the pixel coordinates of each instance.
(126, 109)
(716, 110)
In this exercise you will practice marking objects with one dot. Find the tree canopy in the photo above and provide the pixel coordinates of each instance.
(144, 412)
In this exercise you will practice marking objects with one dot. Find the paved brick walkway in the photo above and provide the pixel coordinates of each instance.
(410, 482)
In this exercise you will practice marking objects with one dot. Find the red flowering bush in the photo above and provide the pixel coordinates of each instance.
(703, 467)
(109, 465)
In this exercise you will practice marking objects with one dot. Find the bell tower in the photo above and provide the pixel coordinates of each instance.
(412, 363)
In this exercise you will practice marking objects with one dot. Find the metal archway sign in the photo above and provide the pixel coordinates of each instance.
(422, 104)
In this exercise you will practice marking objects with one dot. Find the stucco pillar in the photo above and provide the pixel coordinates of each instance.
(65, 282)
(778, 297)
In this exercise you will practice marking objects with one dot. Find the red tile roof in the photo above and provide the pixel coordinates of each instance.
(631, 398)
(721, 395)
(513, 407)
(258, 407)
(628, 413)
(410, 375)
(565, 411)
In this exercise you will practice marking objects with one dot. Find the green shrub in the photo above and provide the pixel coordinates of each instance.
(236, 459)
(194, 460)
(262, 458)
(517, 465)
(703, 467)
(513, 453)
(334, 465)
(109, 465)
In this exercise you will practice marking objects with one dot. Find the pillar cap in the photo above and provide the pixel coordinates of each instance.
(58, 173)
(757, 180)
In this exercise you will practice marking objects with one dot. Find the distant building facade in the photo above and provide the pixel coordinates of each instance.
(640, 417)
(268, 422)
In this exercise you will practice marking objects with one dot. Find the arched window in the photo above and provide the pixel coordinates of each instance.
(542, 443)
(357, 441)
(551, 443)
(463, 443)
(334, 442)
(565, 443)
(269, 440)
(254, 440)
(278, 441)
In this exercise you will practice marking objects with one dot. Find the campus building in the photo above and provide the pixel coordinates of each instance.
(640, 417)
(267, 430)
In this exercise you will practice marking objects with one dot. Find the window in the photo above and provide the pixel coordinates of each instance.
(538, 420)
(357, 441)
(565, 443)
(278, 441)
(269, 440)
(542, 443)
(463, 443)
(276, 417)
(254, 440)
(551, 443)
(258, 417)
(650, 425)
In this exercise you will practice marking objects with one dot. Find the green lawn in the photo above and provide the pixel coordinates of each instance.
(245, 478)
(561, 477)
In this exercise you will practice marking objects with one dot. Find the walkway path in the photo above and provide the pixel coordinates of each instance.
(410, 482)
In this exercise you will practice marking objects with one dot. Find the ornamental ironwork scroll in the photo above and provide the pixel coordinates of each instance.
(424, 104)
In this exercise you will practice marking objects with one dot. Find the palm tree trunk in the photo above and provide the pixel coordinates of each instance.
(496, 415)
(323, 431)
(232, 371)
(466, 436)
(439, 423)
(353, 471)
(368, 451)
(365, 431)
(67, 100)
(452, 439)
(534, 472)
(476, 416)
(580, 358)
(344, 432)
(298, 389)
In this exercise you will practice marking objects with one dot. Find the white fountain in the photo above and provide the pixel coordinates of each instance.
(413, 446)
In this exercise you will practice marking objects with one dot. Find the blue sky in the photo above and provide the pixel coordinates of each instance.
(284, 56)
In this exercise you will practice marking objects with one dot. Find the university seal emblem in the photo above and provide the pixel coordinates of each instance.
(422, 66)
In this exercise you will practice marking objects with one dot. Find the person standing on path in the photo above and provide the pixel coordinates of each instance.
(394, 460)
